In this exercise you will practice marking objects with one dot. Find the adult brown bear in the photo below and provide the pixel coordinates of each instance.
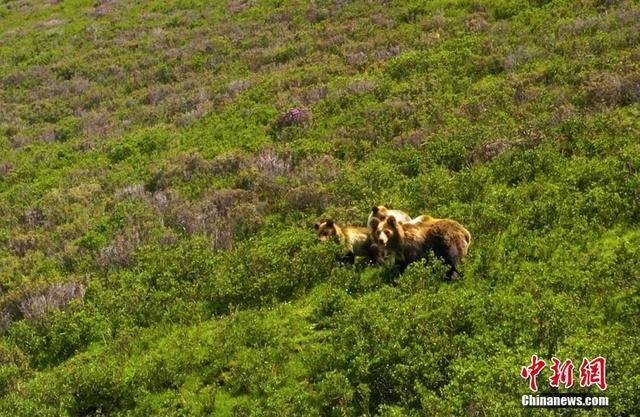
(409, 242)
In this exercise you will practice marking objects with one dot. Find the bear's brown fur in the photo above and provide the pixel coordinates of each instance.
(357, 240)
(410, 242)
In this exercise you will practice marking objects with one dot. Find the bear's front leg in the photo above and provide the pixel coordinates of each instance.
(376, 254)
(349, 258)
(400, 261)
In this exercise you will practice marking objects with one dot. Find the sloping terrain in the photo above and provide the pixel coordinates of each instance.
(162, 164)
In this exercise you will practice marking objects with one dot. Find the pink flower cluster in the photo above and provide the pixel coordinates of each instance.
(296, 117)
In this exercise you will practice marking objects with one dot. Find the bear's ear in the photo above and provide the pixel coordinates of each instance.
(374, 209)
(316, 226)
(330, 222)
(391, 221)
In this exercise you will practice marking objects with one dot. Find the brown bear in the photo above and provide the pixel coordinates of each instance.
(379, 213)
(357, 241)
(409, 242)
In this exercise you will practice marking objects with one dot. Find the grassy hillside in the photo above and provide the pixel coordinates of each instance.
(157, 197)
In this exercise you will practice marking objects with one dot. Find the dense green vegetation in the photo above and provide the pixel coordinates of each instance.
(157, 255)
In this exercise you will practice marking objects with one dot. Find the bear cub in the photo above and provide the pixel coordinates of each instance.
(356, 240)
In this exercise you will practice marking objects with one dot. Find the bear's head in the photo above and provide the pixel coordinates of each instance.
(380, 211)
(386, 231)
(377, 215)
(326, 230)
